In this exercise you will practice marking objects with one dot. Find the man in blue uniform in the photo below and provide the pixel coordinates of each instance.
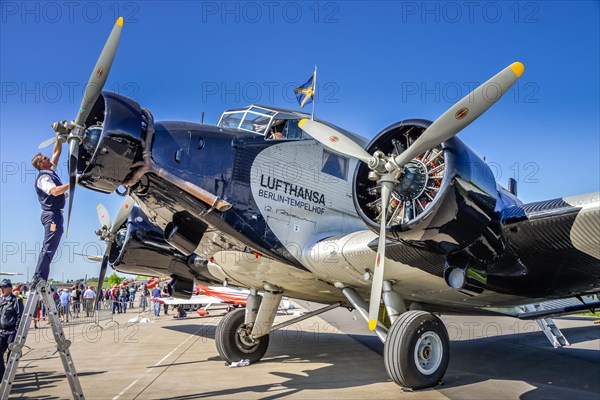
(51, 194)
(11, 310)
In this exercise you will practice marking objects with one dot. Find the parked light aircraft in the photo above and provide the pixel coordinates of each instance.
(206, 296)
(412, 221)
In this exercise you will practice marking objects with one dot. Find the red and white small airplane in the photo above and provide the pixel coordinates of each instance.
(205, 296)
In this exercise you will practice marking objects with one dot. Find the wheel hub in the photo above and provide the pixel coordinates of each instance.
(428, 354)
(244, 340)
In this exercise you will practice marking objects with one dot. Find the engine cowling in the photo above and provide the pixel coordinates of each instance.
(140, 248)
(444, 200)
(113, 143)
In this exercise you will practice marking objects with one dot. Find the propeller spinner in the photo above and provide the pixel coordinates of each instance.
(389, 169)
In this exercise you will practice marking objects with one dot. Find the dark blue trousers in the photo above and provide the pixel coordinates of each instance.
(53, 230)
(6, 338)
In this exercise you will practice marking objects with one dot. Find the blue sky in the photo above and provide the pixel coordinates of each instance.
(379, 62)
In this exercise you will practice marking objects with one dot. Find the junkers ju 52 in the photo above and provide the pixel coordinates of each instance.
(409, 224)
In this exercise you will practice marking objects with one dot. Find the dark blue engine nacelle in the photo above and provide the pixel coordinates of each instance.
(113, 144)
(140, 248)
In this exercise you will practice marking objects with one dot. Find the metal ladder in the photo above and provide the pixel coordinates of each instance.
(549, 328)
(16, 347)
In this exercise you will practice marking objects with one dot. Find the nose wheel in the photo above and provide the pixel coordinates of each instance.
(417, 350)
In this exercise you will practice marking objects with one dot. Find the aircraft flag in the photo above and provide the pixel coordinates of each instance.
(305, 93)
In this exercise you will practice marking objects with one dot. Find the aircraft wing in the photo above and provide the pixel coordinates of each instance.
(553, 248)
(195, 299)
(225, 295)
(558, 238)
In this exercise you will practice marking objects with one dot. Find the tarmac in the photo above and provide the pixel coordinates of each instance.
(332, 356)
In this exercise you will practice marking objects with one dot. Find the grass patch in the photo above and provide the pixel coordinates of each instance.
(590, 314)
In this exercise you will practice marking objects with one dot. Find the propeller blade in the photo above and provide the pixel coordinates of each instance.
(123, 214)
(73, 157)
(463, 113)
(377, 284)
(100, 73)
(93, 258)
(103, 268)
(47, 142)
(333, 139)
(103, 216)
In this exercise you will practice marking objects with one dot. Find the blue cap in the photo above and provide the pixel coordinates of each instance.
(6, 283)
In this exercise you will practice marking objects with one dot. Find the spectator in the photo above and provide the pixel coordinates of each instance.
(37, 313)
(179, 312)
(114, 296)
(11, 310)
(132, 291)
(26, 292)
(123, 297)
(144, 294)
(165, 293)
(106, 298)
(76, 299)
(65, 301)
(89, 296)
(156, 294)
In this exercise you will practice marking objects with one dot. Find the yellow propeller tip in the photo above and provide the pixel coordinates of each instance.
(302, 122)
(372, 324)
(517, 68)
(120, 21)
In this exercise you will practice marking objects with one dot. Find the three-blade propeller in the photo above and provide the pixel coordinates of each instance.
(107, 233)
(74, 132)
(443, 128)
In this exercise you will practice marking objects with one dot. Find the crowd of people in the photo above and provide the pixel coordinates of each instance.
(78, 301)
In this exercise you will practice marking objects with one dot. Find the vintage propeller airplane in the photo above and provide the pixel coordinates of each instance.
(412, 219)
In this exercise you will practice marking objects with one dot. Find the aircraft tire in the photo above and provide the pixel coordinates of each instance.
(231, 346)
(417, 350)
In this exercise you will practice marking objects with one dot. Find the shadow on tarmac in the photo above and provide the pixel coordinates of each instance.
(38, 381)
(310, 348)
(528, 357)
(484, 364)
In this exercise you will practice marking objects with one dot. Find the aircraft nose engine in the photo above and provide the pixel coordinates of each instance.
(113, 144)
(117, 150)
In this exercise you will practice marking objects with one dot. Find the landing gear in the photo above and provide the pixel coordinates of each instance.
(243, 334)
(417, 350)
(235, 342)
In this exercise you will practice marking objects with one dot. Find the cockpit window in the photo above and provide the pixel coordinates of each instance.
(256, 123)
(285, 129)
(232, 120)
(255, 120)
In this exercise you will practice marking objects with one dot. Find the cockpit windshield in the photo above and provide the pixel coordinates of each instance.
(253, 119)
(272, 123)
